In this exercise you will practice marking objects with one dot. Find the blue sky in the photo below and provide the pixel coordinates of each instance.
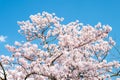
(87, 11)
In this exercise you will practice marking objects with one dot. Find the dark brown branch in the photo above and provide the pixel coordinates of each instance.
(28, 75)
(29, 58)
(95, 39)
(21, 66)
(116, 74)
(34, 73)
(4, 73)
(1, 78)
(55, 59)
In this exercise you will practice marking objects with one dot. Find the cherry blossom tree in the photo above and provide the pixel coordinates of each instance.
(65, 52)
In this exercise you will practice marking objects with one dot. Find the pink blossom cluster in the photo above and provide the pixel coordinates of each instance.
(65, 52)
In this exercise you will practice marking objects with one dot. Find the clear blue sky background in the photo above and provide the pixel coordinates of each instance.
(87, 11)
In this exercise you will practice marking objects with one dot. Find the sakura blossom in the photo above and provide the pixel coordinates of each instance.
(72, 51)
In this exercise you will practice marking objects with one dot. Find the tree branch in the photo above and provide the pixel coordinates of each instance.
(32, 73)
(55, 59)
(4, 73)
(95, 39)
(116, 74)
(28, 75)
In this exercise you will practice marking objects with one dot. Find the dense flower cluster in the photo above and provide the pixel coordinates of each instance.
(65, 52)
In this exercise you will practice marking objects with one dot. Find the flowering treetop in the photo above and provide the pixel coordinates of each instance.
(65, 52)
